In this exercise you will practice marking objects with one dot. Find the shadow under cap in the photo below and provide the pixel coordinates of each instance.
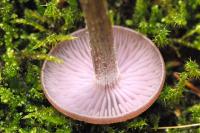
(71, 88)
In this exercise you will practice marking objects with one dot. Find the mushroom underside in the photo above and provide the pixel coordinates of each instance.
(71, 88)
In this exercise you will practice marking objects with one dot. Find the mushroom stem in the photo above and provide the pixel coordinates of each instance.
(101, 41)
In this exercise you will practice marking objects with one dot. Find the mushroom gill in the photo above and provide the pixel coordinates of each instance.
(71, 86)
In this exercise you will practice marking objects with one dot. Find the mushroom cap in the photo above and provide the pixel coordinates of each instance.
(70, 86)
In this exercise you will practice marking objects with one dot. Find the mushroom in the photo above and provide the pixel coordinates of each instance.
(110, 74)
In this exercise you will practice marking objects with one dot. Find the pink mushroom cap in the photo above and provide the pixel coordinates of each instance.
(70, 86)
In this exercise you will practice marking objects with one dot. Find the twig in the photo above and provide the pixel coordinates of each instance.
(181, 126)
(172, 64)
(189, 85)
